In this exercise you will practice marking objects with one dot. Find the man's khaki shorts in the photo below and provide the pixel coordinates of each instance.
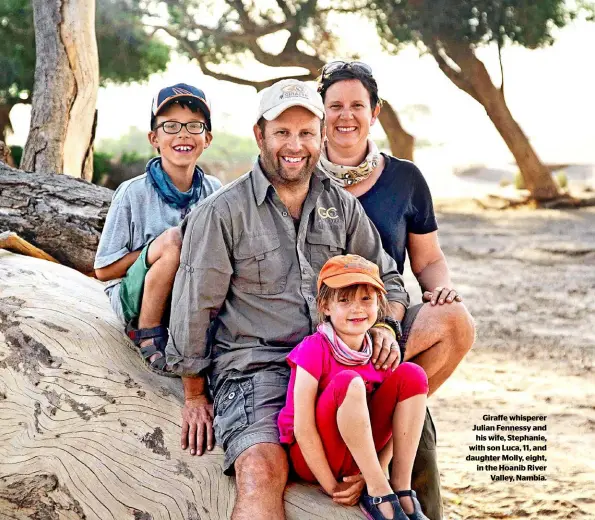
(246, 410)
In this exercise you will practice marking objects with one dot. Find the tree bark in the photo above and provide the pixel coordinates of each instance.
(474, 79)
(61, 215)
(65, 91)
(401, 143)
(86, 432)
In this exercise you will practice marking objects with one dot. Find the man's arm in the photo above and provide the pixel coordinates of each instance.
(198, 294)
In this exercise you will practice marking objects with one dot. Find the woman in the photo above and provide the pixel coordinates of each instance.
(438, 333)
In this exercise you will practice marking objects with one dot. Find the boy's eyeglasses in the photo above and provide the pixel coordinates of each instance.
(174, 127)
(334, 66)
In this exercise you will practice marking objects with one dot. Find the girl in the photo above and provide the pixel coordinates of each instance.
(341, 413)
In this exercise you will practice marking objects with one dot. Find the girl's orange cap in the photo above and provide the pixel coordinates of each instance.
(345, 270)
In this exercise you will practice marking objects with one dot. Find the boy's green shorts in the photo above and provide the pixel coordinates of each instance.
(133, 285)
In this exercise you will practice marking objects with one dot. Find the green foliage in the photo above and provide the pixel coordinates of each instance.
(525, 22)
(101, 166)
(17, 153)
(504, 181)
(132, 144)
(562, 179)
(126, 52)
(231, 149)
(226, 149)
(519, 182)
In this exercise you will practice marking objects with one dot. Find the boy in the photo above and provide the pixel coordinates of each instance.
(139, 250)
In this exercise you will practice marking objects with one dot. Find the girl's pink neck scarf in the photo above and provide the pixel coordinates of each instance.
(341, 352)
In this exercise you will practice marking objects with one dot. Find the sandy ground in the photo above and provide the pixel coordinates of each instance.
(528, 277)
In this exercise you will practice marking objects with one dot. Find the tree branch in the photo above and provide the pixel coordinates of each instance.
(258, 85)
(455, 76)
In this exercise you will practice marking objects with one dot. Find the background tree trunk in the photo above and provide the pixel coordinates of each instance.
(86, 432)
(65, 92)
(474, 79)
(59, 214)
(401, 143)
(4, 120)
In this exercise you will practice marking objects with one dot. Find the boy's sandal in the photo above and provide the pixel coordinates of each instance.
(159, 337)
(369, 506)
(417, 512)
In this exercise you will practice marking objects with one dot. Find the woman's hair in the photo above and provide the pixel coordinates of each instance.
(327, 295)
(349, 73)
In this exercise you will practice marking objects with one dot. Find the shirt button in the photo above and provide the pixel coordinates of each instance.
(284, 213)
(310, 299)
(231, 395)
(304, 270)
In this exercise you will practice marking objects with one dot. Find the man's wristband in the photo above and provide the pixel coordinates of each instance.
(385, 326)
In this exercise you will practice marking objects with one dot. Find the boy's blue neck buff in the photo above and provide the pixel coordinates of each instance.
(167, 190)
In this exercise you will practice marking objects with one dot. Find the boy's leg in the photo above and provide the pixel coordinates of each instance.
(163, 259)
(145, 291)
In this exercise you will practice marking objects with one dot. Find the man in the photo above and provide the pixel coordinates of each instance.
(250, 258)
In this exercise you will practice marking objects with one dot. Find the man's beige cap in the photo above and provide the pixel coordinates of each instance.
(289, 93)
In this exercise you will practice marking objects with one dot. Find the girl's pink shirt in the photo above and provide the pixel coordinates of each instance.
(314, 355)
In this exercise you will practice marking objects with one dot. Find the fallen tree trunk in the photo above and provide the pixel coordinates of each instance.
(86, 431)
(59, 214)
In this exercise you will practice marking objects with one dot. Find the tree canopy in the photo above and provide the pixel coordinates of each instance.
(127, 52)
(220, 32)
(451, 30)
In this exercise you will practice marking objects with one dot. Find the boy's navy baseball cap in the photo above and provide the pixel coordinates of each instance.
(182, 91)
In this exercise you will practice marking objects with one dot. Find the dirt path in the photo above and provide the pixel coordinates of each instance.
(528, 278)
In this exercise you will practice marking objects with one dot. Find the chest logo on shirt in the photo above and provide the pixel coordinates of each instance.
(328, 213)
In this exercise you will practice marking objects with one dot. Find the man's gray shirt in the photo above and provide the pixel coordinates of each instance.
(244, 266)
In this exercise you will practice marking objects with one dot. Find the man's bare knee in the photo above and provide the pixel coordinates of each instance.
(460, 326)
(262, 468)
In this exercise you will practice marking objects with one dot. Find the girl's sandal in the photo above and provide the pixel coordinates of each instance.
(369, 506)
(159, 337)
(417, 512)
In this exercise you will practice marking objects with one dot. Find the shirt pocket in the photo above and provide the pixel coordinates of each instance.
(260, 267)
(322, 247)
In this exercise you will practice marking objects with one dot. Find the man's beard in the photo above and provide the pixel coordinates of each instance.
(272, 166)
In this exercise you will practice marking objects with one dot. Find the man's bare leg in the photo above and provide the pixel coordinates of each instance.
(261, 475)
(440, 338)
(164, 258)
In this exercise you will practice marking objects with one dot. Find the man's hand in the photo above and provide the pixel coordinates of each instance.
(349, 491)
(441, 295)
(385, 349)
(197, 425)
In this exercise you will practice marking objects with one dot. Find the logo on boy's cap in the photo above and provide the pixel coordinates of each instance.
(345, 270)
(181, 91)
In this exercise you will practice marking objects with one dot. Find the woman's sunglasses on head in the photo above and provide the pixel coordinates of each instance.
(334, 66)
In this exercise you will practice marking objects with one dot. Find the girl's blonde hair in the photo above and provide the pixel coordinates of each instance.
(326, 295)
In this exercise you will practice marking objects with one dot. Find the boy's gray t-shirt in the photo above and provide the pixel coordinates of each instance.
(137, 215)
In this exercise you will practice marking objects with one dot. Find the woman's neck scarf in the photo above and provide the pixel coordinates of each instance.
(349, 175)
(341, 352)
(167, 190)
